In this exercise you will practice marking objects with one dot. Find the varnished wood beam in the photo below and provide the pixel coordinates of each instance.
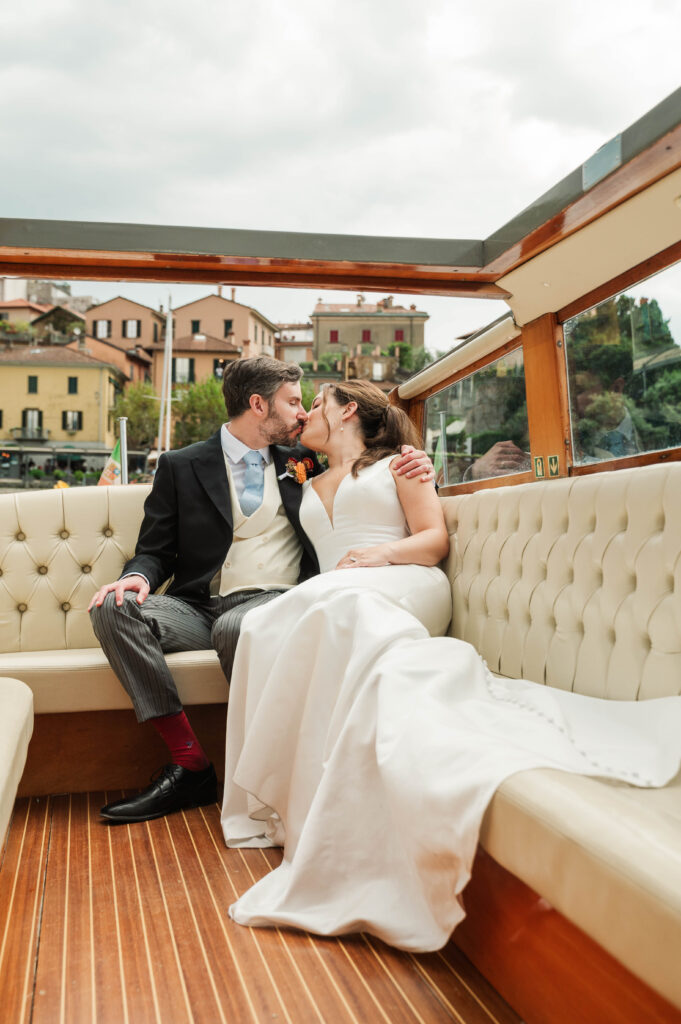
(546, 390)
(293, 276)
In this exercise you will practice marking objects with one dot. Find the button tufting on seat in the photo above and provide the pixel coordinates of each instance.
(20, 536)
(64, 534)
(22, 607)
(108, 532)
(66, 607)
(42, 569)
(86, 568)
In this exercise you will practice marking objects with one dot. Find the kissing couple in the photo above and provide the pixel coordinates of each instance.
(359, 737)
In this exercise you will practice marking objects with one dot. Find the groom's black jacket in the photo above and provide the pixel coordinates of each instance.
(188, 526)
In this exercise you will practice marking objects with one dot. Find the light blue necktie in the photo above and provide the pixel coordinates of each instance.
(254, 483)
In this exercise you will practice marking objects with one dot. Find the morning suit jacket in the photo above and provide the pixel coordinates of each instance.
(188, 527)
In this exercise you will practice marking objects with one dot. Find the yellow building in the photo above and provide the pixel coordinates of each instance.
(57, 396)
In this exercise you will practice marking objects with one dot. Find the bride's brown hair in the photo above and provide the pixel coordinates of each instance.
(384, 427)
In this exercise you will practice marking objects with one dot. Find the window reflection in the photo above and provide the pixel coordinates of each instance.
(477, 427)
(624, 372)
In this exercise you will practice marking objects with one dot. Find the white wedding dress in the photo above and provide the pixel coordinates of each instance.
(369, 745)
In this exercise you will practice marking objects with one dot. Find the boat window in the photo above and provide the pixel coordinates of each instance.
(477, 427)
(624, 371)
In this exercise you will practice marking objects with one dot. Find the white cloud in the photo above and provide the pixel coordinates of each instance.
(436, 118)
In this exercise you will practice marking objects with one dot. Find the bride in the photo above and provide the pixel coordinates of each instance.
(363, 740)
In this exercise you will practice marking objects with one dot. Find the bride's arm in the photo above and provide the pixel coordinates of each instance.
(429, 540)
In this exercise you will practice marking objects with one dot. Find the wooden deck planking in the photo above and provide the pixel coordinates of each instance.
(21, 893)
(129, 925)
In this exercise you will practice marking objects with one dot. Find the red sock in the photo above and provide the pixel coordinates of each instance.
(178, 735)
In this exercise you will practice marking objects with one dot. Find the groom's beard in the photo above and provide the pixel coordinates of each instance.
(277, 432)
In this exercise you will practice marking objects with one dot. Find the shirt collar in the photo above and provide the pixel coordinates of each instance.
(235, 449)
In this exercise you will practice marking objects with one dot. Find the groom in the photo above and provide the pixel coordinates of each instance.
(222, 520)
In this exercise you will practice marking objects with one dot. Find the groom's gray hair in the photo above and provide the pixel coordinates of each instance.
(259, 375)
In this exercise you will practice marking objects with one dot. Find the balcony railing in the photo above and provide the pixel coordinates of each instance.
(30, 434)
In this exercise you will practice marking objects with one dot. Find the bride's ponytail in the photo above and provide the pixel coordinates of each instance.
(385, 427)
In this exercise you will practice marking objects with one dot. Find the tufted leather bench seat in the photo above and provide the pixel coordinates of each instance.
(577, 584)
(56, 549)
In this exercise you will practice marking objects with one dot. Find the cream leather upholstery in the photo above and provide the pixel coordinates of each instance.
(16, 726)
(577, 584)
(604, 854)
(56, 549)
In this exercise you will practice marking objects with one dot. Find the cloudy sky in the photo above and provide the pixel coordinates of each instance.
(434, 118)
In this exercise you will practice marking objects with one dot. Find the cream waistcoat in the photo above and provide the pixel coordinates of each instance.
(265, 551)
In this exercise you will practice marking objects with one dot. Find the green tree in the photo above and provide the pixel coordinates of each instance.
(140, 404)
(199, 410)
(309, 391)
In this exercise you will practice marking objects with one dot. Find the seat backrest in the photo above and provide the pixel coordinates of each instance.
(57, 547)
(575, 583)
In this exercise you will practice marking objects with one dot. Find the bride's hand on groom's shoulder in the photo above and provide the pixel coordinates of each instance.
(413, 462)
(363, 558)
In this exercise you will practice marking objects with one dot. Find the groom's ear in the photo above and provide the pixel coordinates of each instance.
(258, 405)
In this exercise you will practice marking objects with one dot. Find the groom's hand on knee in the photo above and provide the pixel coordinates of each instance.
(136, 584)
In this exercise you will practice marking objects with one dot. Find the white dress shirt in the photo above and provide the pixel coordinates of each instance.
(235, 450)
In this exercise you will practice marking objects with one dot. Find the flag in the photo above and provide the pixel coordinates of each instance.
(111, 474)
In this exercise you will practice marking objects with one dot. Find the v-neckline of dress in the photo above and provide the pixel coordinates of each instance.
(331, 518)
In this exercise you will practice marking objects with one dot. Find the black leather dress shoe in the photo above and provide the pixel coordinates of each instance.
(174, 789)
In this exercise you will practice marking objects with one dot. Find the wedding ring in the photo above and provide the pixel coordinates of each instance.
(351, 559)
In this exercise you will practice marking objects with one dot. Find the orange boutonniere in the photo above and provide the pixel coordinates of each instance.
(298, 470)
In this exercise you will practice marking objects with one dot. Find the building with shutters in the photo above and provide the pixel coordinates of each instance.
(125, 323)
(57, 395)
(195, 358)
(346, 327)
(227, 320)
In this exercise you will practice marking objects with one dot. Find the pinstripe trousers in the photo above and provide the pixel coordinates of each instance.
(134, 638)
